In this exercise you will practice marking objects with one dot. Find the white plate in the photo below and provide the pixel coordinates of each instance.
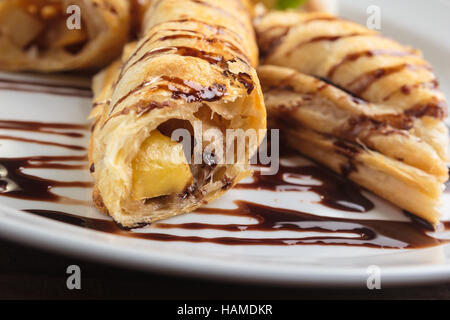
(421, 25)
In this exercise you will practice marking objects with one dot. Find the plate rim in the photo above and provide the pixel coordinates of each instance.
(62, 238)
(65, 239)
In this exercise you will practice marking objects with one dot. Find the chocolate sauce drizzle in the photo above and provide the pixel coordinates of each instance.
(209, 40)
(268, 45)
(334, 191)
(329, 38)
(351, 57)
(217, 29)
(362, 83)
(15, 183)
(43, 142)
(210, 57)
(355, 98)
(47, 88)
(407, 88)
(367, 233)
(43, 127)
(188, 90)
(446, 225)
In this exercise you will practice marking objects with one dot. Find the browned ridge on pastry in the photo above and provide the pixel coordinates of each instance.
(213, 40)
(358, 102)
(180, 89)
(362, 83)
(210, 57)
(173, 26)
(269, 44)
(330, 38)
(366, 53)
(195, 92)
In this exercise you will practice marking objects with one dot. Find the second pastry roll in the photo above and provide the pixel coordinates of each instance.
(362, 104)
(193, 65)
(60, 35)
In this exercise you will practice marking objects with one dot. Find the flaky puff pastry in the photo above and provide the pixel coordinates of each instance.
(368, 91)
(361, 61)
(34, 34)
(195, 62)
(355, 138)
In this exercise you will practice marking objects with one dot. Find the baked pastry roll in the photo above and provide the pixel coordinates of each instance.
(194, 65)
(34, 35)
(348, 85)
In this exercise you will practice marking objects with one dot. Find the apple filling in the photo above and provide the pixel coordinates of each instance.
(160, 168)
(40, 24)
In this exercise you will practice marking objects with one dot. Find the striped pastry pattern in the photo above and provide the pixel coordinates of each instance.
(340, 83)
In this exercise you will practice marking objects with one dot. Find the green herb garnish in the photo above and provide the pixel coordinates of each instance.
(289, 4)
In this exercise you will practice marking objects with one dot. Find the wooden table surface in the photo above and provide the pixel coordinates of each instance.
(28, 273)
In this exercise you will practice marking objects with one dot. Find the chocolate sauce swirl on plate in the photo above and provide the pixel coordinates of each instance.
(367, 233)
(45, 127)
(15, 183)
(45, 87)
(334, 191)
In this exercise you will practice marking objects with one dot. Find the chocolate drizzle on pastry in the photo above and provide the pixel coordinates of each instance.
(330, 38)
(277, 34)
(364, 81)
(350, 151)
(352, 57)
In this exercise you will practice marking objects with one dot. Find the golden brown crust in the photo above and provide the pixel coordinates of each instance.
(190, 65)
(98, 201)
(368, 90)
(372, 67)
(403, 185)
(315, 104)
(357, 139)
